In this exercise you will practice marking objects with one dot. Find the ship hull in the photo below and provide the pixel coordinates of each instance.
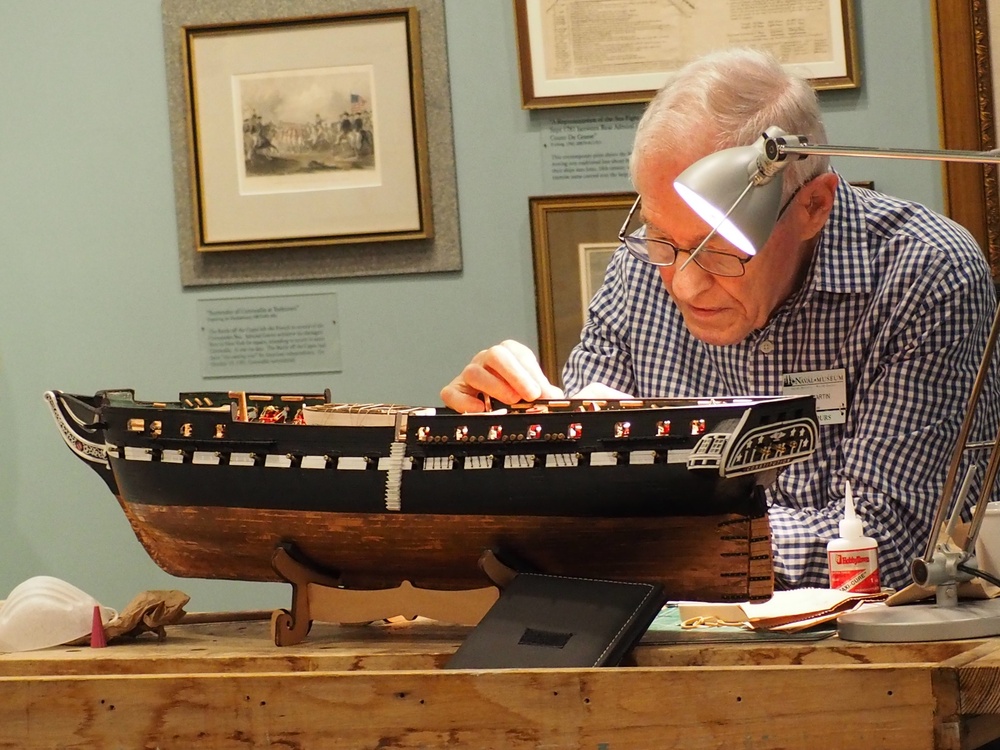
(214, 521)
(724, 557)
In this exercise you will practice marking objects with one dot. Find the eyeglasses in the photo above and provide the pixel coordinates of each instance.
(659, 252)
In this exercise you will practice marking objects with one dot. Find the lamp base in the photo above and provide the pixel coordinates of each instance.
(921, 622)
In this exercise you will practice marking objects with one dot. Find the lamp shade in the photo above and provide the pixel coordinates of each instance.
(726, 190)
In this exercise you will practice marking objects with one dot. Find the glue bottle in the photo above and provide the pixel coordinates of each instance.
(853, 557)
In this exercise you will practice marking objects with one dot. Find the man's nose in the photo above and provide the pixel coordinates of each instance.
(686, 284)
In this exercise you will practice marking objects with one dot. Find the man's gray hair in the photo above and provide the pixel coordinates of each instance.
(728, 98)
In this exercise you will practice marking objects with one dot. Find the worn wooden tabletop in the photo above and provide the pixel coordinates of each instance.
(227, 685)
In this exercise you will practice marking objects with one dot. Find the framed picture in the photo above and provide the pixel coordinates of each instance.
(572, 239)
(583, 52)
(303, 145)
(967, 86)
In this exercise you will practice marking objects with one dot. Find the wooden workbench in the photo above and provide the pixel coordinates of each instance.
(381, 686)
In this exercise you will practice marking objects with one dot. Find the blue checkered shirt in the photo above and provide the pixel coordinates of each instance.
(901, 299)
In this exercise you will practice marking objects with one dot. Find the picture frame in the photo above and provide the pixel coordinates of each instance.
(660, 38)
(572, 239)
(303, 144)
(967, 81)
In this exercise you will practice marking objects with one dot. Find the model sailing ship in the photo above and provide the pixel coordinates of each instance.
(665, 490)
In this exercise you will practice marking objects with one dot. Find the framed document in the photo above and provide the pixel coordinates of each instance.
(572, 240)
(582, 52)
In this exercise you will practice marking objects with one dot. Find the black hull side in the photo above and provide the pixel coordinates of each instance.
(617, 491)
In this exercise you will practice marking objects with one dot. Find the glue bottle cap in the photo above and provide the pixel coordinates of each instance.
(850, 525)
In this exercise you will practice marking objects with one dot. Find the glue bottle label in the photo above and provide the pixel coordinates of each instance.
(854, 570)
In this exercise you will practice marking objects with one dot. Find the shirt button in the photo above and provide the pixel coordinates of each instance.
(766, 346)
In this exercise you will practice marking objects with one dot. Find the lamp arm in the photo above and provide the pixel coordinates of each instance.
(782, 149)
(776, 148)
(984, 495)
(752, 183)
(960, 445)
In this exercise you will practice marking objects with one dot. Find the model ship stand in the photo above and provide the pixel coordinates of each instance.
(319, 596)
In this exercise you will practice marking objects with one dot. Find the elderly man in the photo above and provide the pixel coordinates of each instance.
(889, 302)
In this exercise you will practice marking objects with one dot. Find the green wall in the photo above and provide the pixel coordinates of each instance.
(91, 296)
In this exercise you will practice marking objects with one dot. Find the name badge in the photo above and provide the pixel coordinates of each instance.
(828, 386)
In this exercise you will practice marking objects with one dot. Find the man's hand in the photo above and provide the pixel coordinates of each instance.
(507, 372)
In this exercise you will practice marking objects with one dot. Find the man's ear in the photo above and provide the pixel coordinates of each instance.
(814, 203)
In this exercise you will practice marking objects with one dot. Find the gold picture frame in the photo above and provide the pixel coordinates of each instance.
(303, 147)
(631, 48)
(966, 90)
(571, 236)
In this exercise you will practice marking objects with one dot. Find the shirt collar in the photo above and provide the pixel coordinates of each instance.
(842, 260)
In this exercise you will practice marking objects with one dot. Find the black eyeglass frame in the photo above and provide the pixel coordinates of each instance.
(627, 240)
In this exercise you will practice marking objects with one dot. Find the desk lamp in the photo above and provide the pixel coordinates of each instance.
(735, 192)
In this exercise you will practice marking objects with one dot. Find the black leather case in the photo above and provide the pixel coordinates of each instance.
(556, 621)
